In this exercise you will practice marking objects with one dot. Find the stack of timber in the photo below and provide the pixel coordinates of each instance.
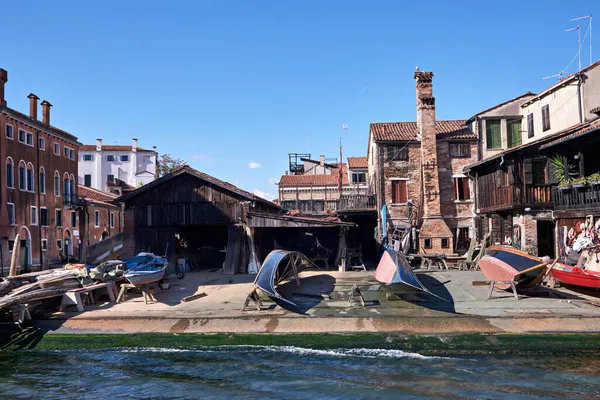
(14, 292)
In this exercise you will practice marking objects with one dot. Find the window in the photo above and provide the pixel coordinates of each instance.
(43, 216)
(445, 243)
(10, 174)
(462, 238)
(12, 219)
(56, 183)
(30, 187)
(11, 245)
(513, 130)
(73, 219)
(44, 244)
(146, 159)
(427, 243)
(58, 216)
(545, 118)
(359, 177)
(530, 131)
(9, 132)
(538, 170)
(399, 195)
(29, 139)
(42, 143)
(22, 135)
(112, 220)
(42, 183)
(493, 135)
(461, 189)
(59, 244)
(96, 218)
(458, 150)
(110, 158)
(395, 153)
(34, 216)
(22, 175)
(124, 158)
(110, 178)
(87, 180)
(87, 157)
(56, 149)
(71, 154)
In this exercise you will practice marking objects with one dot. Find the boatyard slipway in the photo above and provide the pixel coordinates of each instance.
(323, 306)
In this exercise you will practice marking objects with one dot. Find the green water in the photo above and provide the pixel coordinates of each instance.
(299, 367)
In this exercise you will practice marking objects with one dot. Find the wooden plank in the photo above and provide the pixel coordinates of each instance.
(233, 250)
(194, 297)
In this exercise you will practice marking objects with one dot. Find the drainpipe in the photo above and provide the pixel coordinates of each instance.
(579, 83)
(39, 199)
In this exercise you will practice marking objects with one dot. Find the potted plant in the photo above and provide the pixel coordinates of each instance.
(594, 179)
(580, 182)
(564, 184)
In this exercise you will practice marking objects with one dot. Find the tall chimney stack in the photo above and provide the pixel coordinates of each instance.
(3, 80)
(134, 144)
(98, 144)
(434, 227)
(33, 105)
(46, 112)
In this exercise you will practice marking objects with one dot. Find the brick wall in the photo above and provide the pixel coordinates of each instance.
(407, 169)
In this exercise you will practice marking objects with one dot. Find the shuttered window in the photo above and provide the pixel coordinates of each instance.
(530, 131)
(545, 118)
(493, 135)
(513, 129)
(461, 189)
(399, 194)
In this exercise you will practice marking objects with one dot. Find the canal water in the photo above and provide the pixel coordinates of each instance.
(273, 372)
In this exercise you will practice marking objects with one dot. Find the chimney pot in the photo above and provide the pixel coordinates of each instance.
(134, 144)
(98, 144)
(322, 160)
(3, 80)
(46, 112)
(33, 106)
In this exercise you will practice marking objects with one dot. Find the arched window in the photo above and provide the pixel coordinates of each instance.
(56, 183)
(66, 187)
(22, 175)
(72, 187)
(42, 183)
(10, 173)
(30, 185)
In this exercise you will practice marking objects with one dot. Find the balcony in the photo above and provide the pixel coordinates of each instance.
(72, 201)
(507, 197)
(576, 198)
(357, 202)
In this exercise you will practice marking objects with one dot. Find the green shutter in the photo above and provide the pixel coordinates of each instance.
(514, 132)
(493, 134)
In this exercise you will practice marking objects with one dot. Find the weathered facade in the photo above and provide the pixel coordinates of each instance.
(99, 218)
(38, 185)
(415, 169)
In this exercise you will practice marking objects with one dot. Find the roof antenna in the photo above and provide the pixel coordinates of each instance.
(590, 29)
(559, 76)
(578, 43)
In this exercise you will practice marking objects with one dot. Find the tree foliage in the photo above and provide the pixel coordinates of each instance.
(168, 164)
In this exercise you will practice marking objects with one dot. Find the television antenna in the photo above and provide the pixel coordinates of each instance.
(578, 42)
(559, 76)
(590, 30)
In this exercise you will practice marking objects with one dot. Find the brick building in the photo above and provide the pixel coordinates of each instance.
(37, 186)
(99, 218)
(415, 169)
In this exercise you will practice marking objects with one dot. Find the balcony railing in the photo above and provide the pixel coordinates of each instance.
(507, 197)
(576, 198)
(357, 202)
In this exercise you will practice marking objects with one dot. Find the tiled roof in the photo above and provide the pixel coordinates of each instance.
(595, 125)
(358, 162)
(406, 131)
(528, 94)
(595, 110)
(119, 183)
(109, 147)
(88, 193)
(314, 180)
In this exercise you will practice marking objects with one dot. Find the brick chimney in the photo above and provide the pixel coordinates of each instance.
(434, 228)
(3, 80)
(33, 105)
(46, 112)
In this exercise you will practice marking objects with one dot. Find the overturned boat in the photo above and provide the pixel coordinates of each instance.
(506, 264)
(279, 266)
(394, 271)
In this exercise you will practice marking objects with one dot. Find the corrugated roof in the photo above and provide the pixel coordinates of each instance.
(407, 131)
(110, 147)
(358, 162)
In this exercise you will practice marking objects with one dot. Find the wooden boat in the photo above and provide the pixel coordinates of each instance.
(279, 265)
(145, 274)
(507, 264)
(575, 276)
(394, 271)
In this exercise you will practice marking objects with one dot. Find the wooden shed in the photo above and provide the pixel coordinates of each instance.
(190, 214)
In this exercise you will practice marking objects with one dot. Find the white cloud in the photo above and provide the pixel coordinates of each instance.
(273, 181)
(203, 157)
(254, 165)
(264, 195)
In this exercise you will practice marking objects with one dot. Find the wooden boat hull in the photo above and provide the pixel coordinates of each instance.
(141, 277)
(506, 264)
(575, 276)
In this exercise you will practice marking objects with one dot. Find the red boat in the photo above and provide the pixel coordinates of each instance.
(576, 276)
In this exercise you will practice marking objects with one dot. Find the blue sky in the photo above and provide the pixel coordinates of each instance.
(227, 85)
